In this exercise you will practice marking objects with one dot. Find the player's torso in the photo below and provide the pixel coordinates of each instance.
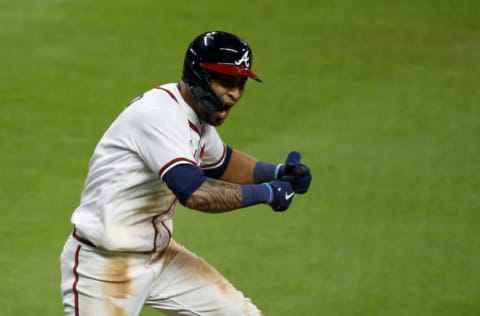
(125, 205)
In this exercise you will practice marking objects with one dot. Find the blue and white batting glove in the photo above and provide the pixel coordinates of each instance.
(296, 173)
(281, 195)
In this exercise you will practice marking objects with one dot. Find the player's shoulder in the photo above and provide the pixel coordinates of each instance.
(168, 91)
(162, 99)
(166, 94)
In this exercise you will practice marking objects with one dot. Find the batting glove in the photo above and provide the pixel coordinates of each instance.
(296, 173)
(281, 195)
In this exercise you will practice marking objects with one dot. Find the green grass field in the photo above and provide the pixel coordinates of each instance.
(381, 97)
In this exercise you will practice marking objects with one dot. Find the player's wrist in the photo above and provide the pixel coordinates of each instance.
(265, 172)
(256, 194)
(278, 170)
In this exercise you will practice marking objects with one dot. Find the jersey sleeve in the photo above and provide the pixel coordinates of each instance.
(215, 150)
(161, 137)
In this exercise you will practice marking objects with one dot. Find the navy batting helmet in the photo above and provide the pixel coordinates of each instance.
(219, 52)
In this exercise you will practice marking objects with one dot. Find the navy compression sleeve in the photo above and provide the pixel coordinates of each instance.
(183, 180)
(256, 193)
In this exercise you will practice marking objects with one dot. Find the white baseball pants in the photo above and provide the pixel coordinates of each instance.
(174, 281)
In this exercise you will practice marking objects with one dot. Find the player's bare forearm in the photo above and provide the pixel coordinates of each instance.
(240, 168)
(216, 196)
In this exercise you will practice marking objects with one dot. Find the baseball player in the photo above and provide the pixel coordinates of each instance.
(161, 149)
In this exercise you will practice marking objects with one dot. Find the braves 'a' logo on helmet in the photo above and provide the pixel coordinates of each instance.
(244, 59)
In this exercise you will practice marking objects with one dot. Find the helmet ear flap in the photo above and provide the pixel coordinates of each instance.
(209, 100)
(198, 81)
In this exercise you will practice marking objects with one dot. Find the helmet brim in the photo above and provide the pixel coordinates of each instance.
(232, 70)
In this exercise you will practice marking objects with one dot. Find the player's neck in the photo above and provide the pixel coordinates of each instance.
(190, 100)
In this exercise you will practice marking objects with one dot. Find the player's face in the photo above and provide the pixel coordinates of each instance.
(230, 90)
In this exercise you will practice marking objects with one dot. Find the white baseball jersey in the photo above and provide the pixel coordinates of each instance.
(125, 206)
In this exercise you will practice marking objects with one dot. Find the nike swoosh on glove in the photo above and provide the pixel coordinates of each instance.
(281, 195)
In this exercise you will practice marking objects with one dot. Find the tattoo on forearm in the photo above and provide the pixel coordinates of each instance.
(216, 196)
